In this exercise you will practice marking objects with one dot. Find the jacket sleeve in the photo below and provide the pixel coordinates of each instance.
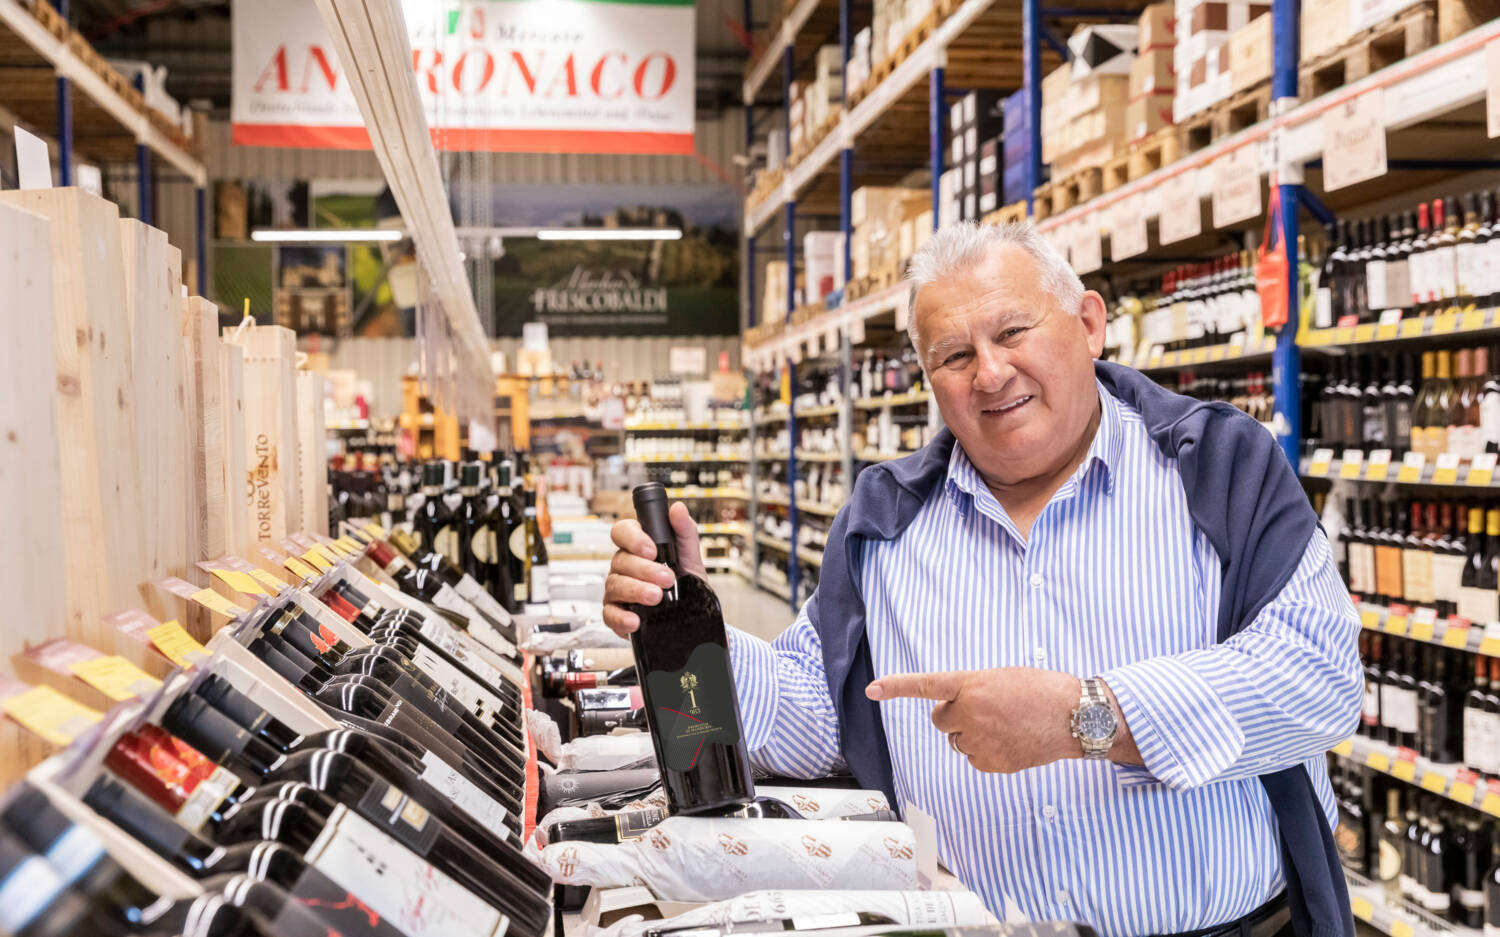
(789, 721)
(1284, 689)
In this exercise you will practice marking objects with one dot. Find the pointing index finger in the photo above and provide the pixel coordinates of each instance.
(941, 686)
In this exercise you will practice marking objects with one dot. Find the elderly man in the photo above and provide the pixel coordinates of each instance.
(1093, 628)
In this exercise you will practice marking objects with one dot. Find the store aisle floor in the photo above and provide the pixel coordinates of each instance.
(750, 609)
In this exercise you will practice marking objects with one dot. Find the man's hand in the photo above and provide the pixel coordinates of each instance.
(635, 577)
(1006, 719)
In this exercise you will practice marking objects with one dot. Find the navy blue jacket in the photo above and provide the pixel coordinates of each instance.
(1241, 493)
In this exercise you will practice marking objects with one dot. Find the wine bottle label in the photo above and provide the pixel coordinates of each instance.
(1416, 575)
(1480, 606)
(1370, 711)
(475, 698)
(1438, 902)
(1357, 567)
(31, 885)
(518, 542)
(1465, 441)
(477, 595)
(695, 706)
(458, 644)
(1408, 711)
(1388, 570)
(447, 598)
(1473, 727)
(1471, 899)
(463, 793)
(540, 589)
(633, 824)
(1489, 742)
(75, 852)
(446, 542)
(1447, 573)
(402, 818)
(343, 910)
(482, 545)
(401, 887)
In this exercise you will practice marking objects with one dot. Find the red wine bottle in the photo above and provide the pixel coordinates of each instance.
(35, 901)
(682, 653)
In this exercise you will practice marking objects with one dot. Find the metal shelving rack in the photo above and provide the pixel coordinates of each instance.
(1439, 81)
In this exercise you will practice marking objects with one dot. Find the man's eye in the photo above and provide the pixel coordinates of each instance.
(1010, 333)
(956, 357)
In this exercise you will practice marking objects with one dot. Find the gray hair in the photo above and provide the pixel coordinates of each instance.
(966, 243)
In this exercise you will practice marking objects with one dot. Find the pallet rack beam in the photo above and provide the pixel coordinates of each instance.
(937, 106)
(1286, 361)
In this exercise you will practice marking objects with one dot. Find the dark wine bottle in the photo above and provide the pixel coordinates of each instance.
(683, 656)
(633, 824)
(35, 901)
(502, 583)
(776, 925)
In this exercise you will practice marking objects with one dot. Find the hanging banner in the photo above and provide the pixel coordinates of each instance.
(565, 76)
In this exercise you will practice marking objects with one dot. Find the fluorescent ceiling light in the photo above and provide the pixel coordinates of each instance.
(609, 234)
(327, 235)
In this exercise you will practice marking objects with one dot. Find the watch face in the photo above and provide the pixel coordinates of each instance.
(1096, 723)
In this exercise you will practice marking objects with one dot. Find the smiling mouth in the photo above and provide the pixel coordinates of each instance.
(1009, 407)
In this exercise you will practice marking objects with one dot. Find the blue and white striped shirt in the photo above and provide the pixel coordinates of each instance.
(1114, 580)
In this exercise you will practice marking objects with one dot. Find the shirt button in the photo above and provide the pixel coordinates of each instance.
(1036, 580)
(1040, 653)
(1050, 812)
(1063, 897)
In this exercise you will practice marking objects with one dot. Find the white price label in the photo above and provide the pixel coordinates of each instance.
(1181, 215)
(1354, 140)
(1236, 187)
(1127, 228)
(1088, 251)
(1492, 85)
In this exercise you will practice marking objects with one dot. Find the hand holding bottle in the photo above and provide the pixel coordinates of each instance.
(635, 577)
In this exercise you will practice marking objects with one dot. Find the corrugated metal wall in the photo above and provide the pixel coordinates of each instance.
(382, 361)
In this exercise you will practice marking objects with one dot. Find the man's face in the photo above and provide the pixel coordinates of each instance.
(1012, 372)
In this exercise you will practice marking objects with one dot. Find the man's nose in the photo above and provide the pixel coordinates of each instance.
(995, 370)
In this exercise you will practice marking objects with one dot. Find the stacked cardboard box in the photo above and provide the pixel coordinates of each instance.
(822, 263)
(1153, 75)
(773, 297)
(975, 121)
(1203, 55)
(1016, 150)
(825, 95)
(877, 214)
(858, 68)
(1324, 26)
(1250, 54)
(894, 20)
(1084, 102)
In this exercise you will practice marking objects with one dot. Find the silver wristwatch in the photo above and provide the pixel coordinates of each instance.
(1094, 724)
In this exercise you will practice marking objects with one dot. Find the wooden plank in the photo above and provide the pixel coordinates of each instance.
(31, 578)
(153, 280)
(101, 521)
(237, 478)
(275, 507)
(312, 452)
(206, 402)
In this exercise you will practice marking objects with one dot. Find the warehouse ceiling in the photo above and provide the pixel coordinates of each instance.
(192, 39)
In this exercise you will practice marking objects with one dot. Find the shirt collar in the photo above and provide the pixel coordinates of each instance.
(1104, 452)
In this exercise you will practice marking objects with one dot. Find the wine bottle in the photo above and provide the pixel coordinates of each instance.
(434, 522)
(612, 790)
(342, 864)
(633, 824)
(683, 655)
(1471, 849)
(538, 571)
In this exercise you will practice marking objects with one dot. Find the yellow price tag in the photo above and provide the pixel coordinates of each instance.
(1394, 624)
(116, 677)
(1217, 352)
(1473, 319)
(273, 585)
(1405, 770)
(1446, 470)
(1362, 908)
(1444, 323)
(1343, 335)
(1154, 361)
(55, 717)
(376, 531)
(1462, 791)
(215, 602)
(1321, 460)
(1387, 330)
(1400, 928)
(1490, 804)
(1364, 333)
(1370, 619)
(1200, 355)
(1351, 468)
(1379, 465)
(1490, 647)
(239, 582)
(1432, 781)
(1344, 748)
(180, 647)
(1421, 629)
(319, 560)
(1411, 468)
(330, 552)
(300, 569)
(1481, 469)
(1456, 637)
(1411, 328)
(1380, 761)
(354, 547)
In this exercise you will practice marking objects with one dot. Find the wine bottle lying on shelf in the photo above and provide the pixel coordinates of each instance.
(633, 824)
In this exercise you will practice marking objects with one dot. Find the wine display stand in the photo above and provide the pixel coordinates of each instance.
(140, 443)
(1370, 904)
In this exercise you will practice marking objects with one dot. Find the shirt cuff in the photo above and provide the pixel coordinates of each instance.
(753, 663)
(1186, 735)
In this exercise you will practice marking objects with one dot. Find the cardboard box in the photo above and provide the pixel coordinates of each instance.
(1148, 113)
(859, 254)
(1250, 54)
(921, 230)
(1325, 27)
(1054, 91)
(1157, 27)
(1153, 71)
(1224, 16)
(870, 202)
(773, 301)
(820, 255)
(1098, 92)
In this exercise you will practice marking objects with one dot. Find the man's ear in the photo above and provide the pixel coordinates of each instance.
(1092, 313)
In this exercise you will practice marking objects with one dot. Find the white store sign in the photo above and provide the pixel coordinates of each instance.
(564, 76)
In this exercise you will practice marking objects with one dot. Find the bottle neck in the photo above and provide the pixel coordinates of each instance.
(217, 736)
